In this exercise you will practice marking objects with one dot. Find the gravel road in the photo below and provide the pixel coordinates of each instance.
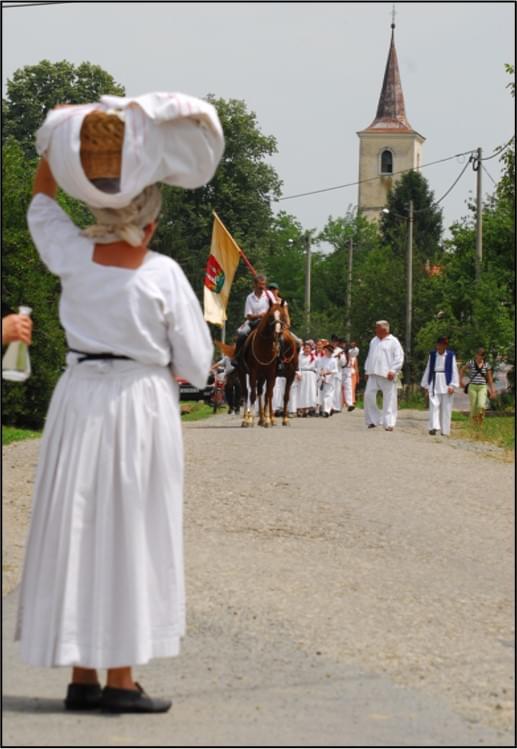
(344, 585)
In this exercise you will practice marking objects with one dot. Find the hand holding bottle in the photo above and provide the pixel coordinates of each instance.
(16, 365)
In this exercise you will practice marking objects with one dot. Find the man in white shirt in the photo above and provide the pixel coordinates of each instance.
(256, 306)
(440, 378)
(383, 363)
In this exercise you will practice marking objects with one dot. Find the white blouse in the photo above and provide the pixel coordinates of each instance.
(149, 314)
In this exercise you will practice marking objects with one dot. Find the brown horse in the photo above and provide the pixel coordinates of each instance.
(261, 351)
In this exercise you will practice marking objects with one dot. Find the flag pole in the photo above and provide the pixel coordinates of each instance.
(243, 256)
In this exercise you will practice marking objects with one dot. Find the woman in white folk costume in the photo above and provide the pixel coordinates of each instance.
(338, 377)
(346, 373)
(352, 375)
(319, 353)
(327, 368)
(307, 383)
(440, 378)
(103, 581)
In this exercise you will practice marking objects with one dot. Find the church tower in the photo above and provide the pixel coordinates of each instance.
(389, 145)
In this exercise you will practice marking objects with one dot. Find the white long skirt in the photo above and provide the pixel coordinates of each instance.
(278, 396)
(307, 396)
(103, 583)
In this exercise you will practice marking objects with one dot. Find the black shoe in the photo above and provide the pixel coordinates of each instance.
(372, 426)
(131, 701)
(83, 696)
(432, 431)
(351, 408)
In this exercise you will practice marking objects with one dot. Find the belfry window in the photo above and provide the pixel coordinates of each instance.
(386, 162)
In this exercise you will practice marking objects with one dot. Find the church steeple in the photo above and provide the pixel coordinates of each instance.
(389, 146)
(391, 112)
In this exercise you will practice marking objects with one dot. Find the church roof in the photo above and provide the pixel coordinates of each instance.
(391, 112)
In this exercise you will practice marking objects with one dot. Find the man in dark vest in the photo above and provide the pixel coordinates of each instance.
(440, 378)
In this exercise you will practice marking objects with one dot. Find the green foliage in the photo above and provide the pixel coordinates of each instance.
(25, 280)
(11, 434)
(195, 411)
(35, 89)
(427, 221)
(496, 430)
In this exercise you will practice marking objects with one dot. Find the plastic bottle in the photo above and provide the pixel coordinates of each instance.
(16, 363)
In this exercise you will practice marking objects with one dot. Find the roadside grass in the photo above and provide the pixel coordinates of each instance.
(195, 410)
(15, 434)
(415, 401)
(497, 430)
(190, 411)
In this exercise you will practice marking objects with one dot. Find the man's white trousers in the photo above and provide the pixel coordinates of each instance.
(440, 412)
(388, 416)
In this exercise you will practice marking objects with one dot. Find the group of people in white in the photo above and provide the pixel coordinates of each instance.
(328, 372)
(326, 379)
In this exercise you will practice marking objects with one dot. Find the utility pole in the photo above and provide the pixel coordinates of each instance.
(409, 296)
(479, 216)
(349, 291)
(307, 241)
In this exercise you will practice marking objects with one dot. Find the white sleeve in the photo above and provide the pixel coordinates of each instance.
(423, 382)
(188, 332)
(397, 357)
(455, 382)
(54, 234)
(247, 307)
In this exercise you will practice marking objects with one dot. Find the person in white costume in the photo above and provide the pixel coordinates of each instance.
(327, 368)
(440, 378)
(257, 304)
(351, 375)
(103, 580)
(338, 377)
(383, 363)
(307, 383)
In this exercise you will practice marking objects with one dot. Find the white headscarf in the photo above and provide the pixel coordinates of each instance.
(125, 224)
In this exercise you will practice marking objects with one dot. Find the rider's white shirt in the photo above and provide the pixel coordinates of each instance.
(257, 305)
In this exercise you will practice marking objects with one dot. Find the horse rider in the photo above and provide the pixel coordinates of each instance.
(256, 306)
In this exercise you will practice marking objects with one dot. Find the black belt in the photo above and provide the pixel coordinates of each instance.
(90, 357)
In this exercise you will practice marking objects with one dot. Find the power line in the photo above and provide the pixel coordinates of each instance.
(29, 5)
(500, 150)
(436, 202)
(488, 173)
(370, 179)
(453, 184)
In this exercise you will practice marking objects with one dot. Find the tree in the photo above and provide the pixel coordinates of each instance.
(25, 280)
(35, 89)
(427, 223)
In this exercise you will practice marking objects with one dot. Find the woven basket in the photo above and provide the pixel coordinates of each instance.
(102, 136)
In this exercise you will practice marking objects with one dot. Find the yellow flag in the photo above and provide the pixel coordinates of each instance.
(222, 263)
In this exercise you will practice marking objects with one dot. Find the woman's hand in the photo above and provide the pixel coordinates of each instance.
(16, 328)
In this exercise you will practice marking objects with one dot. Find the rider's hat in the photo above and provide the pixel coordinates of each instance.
(273, 286)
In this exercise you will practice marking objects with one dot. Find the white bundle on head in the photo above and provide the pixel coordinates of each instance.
(125, 224)
(168, 137)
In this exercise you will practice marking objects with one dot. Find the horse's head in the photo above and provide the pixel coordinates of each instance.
(275, 321)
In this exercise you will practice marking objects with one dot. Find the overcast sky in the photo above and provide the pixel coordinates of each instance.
(312, 73)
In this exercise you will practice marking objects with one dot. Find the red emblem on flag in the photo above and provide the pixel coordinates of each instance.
(214, 275)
